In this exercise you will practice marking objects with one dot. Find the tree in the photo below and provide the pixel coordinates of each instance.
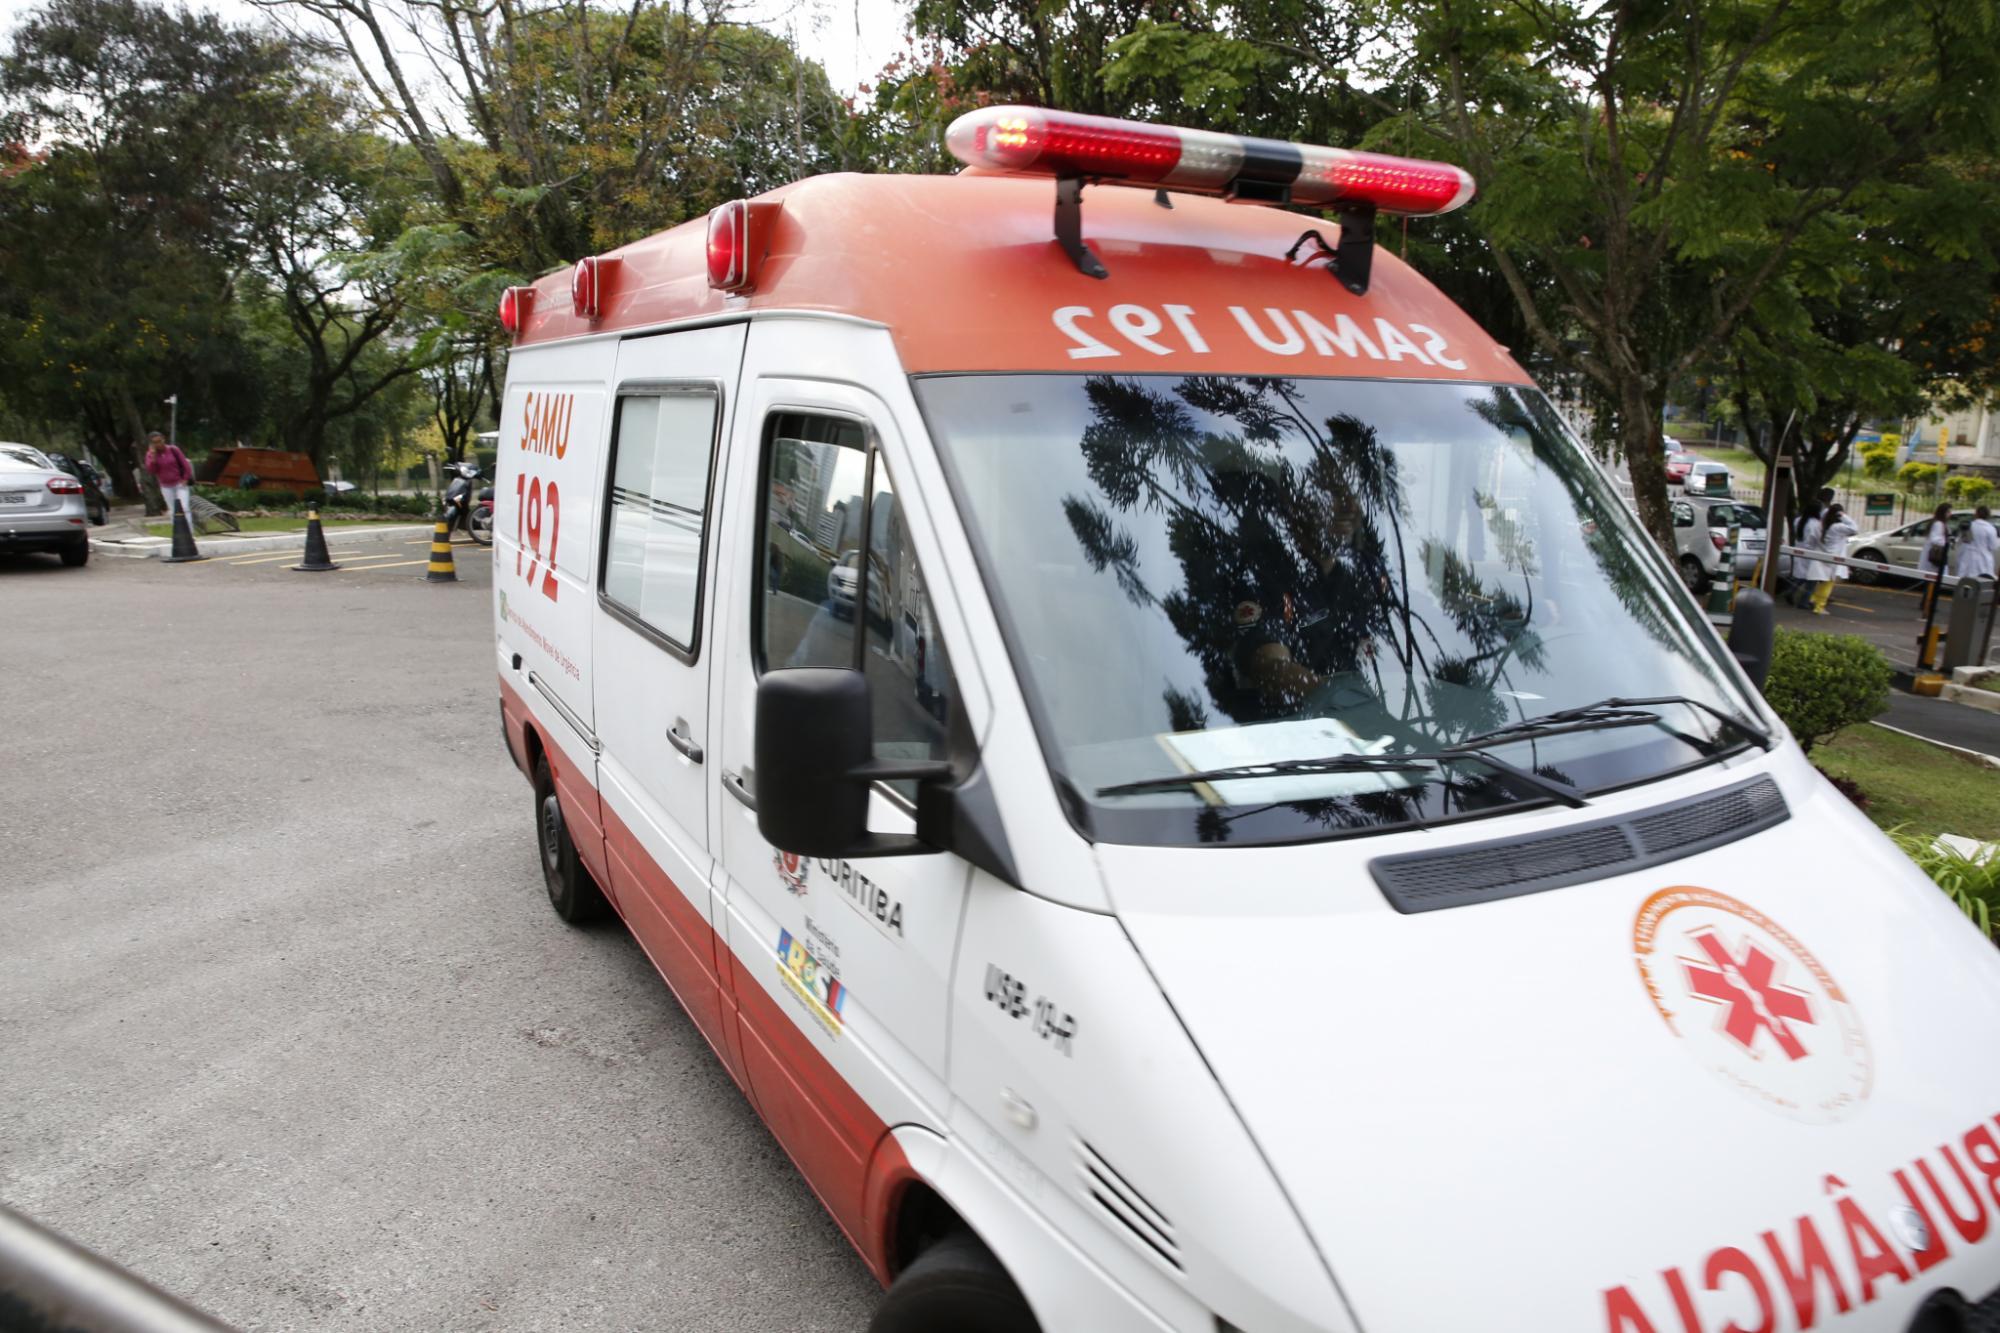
(322, 200)
(1876, 315)
(1662, 165)
(145, 112)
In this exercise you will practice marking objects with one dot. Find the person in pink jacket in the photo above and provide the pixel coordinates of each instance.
(170, 468)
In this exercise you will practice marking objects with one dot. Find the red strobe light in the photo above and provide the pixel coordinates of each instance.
(514, 304)
(1041, 142)
(729, 247)
(586, 287)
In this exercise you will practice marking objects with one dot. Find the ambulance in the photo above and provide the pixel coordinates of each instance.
(1174, 786)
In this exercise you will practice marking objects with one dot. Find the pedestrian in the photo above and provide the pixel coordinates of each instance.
(1976, 551)
(171, 469)
(1937, 544)
(1808, 573)
(1834, 534)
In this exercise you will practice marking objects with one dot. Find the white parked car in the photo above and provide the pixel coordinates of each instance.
(1701, 534)
(1706, 478)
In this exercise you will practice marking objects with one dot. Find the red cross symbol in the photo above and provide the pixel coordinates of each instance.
(1745, 985)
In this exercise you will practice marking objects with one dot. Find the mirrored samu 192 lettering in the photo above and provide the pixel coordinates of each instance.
(1272, 330)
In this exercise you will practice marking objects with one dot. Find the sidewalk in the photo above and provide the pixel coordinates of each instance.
(126, 536)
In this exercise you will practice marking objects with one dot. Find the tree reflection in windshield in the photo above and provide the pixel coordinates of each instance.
(1402, 566)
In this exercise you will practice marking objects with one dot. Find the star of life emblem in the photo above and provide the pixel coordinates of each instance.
(1751, 1004)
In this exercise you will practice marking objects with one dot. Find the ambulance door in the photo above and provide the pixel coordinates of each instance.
(653, 649)
(840, 968)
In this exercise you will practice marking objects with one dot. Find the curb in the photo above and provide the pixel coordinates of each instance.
(151, 548)
(1967, 696)
(1978, 755)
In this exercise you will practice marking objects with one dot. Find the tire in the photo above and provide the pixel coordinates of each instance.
(76, 554)
(1868, 578)
(479, 526)
(1693, 575)
(101, 517)
(958, 1285)
(572, 892)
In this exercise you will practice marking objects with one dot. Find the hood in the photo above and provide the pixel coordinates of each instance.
(1754, 1087)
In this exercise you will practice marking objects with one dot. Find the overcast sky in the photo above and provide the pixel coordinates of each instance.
(853, 39)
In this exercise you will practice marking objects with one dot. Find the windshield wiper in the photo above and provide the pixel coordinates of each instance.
(1415, 761)
(1617, 711)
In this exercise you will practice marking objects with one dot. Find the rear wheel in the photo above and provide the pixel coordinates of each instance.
(76, 553)
(479, 523)
(1694, 575)
(572, 892)
(956, 1284)
(1867, 577)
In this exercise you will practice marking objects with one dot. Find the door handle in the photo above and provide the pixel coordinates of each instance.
(678, 738)
(738, 785)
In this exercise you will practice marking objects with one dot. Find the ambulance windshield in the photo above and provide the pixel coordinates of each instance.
(1199, 573)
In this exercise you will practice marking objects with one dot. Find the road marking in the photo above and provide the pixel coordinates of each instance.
(396, 564)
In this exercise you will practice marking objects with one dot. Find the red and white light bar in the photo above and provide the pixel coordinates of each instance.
(1039, 142)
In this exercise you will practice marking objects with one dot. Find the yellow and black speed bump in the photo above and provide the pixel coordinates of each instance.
(317, 560)
(441, 570)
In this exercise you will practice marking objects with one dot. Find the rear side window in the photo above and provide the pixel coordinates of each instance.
(841, 586)
(656, 515)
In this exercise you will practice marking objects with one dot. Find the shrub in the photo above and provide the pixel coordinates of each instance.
(1971, 882)
(1917, 476)
(1879, 466)
(1967, 490)
(1820, 683)
(315, 499)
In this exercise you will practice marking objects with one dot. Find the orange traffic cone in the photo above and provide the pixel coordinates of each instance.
(317, 560)
(441, 570)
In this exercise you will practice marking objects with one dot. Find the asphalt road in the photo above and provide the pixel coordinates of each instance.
(285, 1022)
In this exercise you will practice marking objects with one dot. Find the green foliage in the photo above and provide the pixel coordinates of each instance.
(1915, 476)
(1878, 466)
(1820, 683)
(1967, 490)
(1971, 882)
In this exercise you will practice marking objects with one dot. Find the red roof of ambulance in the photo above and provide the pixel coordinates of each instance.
(966, 275)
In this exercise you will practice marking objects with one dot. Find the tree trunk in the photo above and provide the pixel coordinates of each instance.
(155, 504)
(1646, 463)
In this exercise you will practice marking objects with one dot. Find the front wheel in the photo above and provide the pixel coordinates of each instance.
(956, 1284)
(1868, 578)
(480, 525)
(572, 892)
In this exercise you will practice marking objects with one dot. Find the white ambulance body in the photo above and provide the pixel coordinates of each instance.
(1261, 921)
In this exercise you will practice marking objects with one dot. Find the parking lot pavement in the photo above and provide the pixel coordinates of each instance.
(285, 1021)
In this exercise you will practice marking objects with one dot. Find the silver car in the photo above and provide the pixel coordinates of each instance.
(41, 509)
(1902, 546)
(1701, 532)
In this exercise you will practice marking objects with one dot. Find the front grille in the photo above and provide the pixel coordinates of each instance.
(1507, 868)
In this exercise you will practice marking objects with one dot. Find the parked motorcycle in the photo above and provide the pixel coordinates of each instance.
(466, 510)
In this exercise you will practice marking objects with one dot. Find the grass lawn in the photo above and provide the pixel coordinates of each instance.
(1908, 781)
(295, 524)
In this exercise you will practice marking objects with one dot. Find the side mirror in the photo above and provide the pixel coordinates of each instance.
(815, 761)
(1752, 632)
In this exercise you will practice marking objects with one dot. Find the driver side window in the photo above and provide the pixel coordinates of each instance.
(840, 584)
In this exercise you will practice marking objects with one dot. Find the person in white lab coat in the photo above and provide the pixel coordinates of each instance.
(1835, 531)
(1976, 550)
(1807, 572)
(1937, 542)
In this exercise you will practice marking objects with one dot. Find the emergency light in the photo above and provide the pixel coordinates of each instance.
(1076, 149)
(514, 308)
(1034, 141)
